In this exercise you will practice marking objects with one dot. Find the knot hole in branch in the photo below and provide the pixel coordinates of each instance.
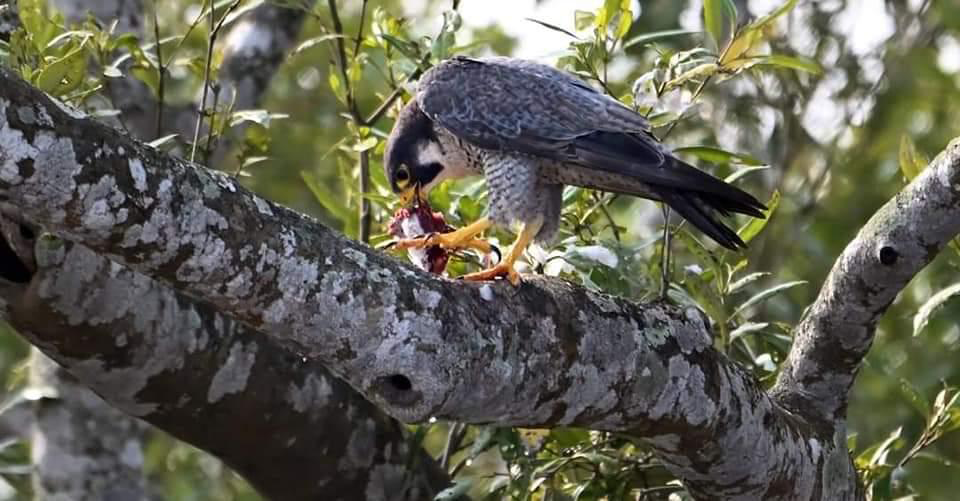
(888, 255)
(398, 390)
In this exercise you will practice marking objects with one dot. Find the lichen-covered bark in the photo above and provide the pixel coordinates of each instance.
(82, 448)
(838, 328)
(280, 420)
(546, 353)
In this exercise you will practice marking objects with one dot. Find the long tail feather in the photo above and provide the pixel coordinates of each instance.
(699, 203)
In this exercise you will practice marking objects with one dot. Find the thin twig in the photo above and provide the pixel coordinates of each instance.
(606, 214)
(363, 15)
(696, 94)
(163, 71)
(213, 118)
(365, 214)
(454, 437)
(341, 54)
(211, 40)
(206, 85)
(397, 92)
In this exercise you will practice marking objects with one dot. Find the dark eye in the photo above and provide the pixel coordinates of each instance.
(403, 174)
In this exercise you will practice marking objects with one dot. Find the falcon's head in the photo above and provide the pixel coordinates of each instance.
(413, 159)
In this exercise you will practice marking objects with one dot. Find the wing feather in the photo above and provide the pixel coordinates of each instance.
(509, 104)
(517, 105)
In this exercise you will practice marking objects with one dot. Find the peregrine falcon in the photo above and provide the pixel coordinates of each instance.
(530, 129)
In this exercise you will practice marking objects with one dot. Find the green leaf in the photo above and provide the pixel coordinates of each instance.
(719, 17)
(442, 44)
(583, 19)
(483, 440)
(112, 72)
(753, 228)
(739, 173)
(623, 26)
(454, 492)
(733, 57)
(65, 74)
(34, 19)
(552, 27)
(877, 453)
(251, 161)
(656, 36)
(747, 328)
(915, 398)
(764, 295)
(260, 117)
(366, 144)
(327, 198)
(700, 71)
(912, 162)
(719, 156)
(933, 304)
(566, 437)
(337, 86)
(161, 142)
(743, 282)
(772, 16)
(791, 62)
(406, 47)
(312, 42)
(739, 46)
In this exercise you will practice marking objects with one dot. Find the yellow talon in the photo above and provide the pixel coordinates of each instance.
(464, 238)
(505, 267)
(499, 270)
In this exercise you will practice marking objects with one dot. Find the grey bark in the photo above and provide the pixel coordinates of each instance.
(283, 422)
(82, 448)
(544, 354)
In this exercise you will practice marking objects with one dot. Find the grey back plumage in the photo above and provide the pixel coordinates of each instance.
(511, 105)
(517, 105)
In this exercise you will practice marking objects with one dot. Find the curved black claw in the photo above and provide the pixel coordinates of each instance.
(496, 250)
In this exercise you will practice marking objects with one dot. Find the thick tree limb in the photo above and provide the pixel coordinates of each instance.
(837, 330)
(547, 353)
(284, 423)
(544, 354)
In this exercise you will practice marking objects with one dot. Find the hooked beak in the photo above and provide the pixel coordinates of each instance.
(412, 197)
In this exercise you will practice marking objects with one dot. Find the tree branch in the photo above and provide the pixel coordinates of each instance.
(837, 330)
(283, 422)
(547, 353)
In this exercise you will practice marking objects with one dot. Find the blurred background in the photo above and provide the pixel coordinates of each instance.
(863, 92)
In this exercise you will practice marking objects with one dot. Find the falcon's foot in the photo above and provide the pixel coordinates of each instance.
(503, 269)
(449, 241)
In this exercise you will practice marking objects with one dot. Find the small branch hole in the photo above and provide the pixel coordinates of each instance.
(397, 389)
(888, 255)
(400, 382)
